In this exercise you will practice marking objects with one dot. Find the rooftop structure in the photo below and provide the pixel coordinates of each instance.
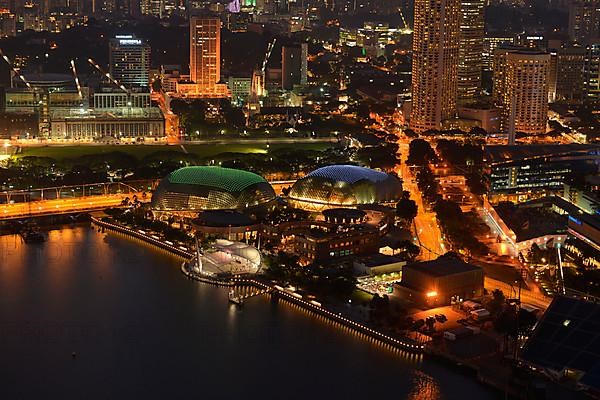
(344, 186)
(229, 257)
(443, 266)
(50, 80)
(97, 123)
(507, 154)
(566, 342)
(520, 173)
(442, 281)
(201, 188)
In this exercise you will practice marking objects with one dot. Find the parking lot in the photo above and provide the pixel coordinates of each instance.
(453, 314)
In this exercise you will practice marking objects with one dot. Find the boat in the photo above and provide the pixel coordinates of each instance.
(237, 300)
(31, 235)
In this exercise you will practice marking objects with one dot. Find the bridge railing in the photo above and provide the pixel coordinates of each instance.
(76, 191)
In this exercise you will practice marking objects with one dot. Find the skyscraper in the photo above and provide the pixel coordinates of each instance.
(156, 8)
(294, 59)
(591, 72)
(521, 90)
(205, 52)
(584, 20)
(470, 51)
(435, 63)
(129, 59)
(566, 74)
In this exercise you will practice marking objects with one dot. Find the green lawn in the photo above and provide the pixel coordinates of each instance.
(62, 152)
(360, 296)
(140, 151)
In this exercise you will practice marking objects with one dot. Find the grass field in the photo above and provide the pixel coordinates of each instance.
(140, 151)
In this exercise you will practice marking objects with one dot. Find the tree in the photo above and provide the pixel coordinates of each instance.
(427, 184)
(406, 209)
(383, 156)
(410, 133)
(420, 153)
(497, 302)
(476, 183)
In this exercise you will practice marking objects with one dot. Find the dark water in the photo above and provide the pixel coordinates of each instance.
(140, 329)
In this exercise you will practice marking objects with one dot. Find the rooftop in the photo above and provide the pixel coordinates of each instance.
(535, 218)
(443, 266)
(378, 259)
(500, 153)
(349, 173)
(351, 213)
(130, 113)
(223, 218)
(568, 336)
(231, 180)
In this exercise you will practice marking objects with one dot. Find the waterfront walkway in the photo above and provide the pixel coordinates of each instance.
(404, 343)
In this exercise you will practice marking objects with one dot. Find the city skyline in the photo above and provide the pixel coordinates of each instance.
(203, 198)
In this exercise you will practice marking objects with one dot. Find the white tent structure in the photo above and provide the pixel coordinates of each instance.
(230, 257)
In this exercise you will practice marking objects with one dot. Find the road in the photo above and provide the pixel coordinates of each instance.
(227, 140)
(426, 228)
(62, 206)
(511, 291)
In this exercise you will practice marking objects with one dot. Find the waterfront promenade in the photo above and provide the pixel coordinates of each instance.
(266, 287)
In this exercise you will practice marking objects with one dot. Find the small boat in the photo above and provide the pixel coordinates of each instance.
(31, 235)
(238, 301)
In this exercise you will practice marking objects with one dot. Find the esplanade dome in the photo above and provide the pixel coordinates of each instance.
(202, 188)
(344, 186)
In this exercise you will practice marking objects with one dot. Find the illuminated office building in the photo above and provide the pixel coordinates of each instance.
(584, 20)
(155, 8)
(490, 44)
(591, 72)
(470, 51)
(566, 74)
(129, 59)
(521, 90)
(205, 56)
(205, 50)
(436, 39)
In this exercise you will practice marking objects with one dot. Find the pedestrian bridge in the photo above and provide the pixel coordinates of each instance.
(38, 202)
(15, 204)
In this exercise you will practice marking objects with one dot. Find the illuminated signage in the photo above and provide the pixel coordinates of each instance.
(130, 41)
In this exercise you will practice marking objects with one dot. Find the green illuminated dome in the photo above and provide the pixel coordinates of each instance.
(211, 188)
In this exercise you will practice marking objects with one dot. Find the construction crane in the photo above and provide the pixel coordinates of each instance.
(16, 71)
(258, 77)
(76, 80)
(108, 76)
(257, 88)
(407, 29)
(270, 48)
(41, 99)
(560, 268)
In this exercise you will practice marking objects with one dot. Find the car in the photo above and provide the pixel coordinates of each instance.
(441, 318)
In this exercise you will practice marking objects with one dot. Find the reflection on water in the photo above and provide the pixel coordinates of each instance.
(425, 387)
(140, 329)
